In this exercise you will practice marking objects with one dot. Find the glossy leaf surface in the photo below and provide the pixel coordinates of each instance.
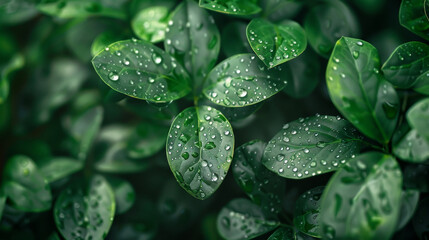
(234, 7)
(412, 16)
(141, 70)
(306, 215)
(362, 200)
(311, 146)
(150, 23)
(200, 146)
(412, 148)
(275, 44)
(417, 117)
(422, 83)
(359, 90)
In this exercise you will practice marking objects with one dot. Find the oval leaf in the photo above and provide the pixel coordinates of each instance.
(192, 36)
(200, 146)
(234, 7)
(60, 167)
(243, 80)
(418, 116)
(124, 194)
(363, 199)
(242, 219)
(406, 63)
(306, 215)
(359, 90)
(275, 44)
(85, 210)
(142, 70)
(413, 17)
(25, 186)
(310, 146)
(150, 23)
(412, 148)
(262, 186)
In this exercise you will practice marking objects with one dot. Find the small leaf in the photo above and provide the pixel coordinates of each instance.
(142, 70)
(85, 210)
(235, 32)
(150, 23)
(59, 167)
(124, 194)
(146, 140)
(244, 80)
(200, 146)
(262, 186)
(25, 186)
(363, 199)
(417, 117)
(192, 36)
(242, 219)
(306, 215)
(412, 148)
(406, 63)
(234, 7)
(359, 90)
(310, 146)
(422, 83)
(275, 44)
(421, 219)
(409, 201)
(412, 16)
(416, 177)
(328, 21)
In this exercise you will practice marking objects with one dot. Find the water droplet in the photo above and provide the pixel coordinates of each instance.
(185, 155)
(113, 76)
(390, 110)
(241, 93)
(157, 59)
(210, 145)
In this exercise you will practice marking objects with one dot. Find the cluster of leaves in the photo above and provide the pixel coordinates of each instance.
(83, 156)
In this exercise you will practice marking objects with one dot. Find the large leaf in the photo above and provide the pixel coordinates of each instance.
(59, 167)
(262, 186)
(326, 22)
(418, 116)
(242, 219)
(359, 90)
(306, 215)
(234, 7)
(200, 146)
(421, 219)
(422, 83)
(412, 148)
(244, 80)
(141, 70)
(409, 201)
(363, 199)
(275, 44)
(192, 36)
(150, 23)
(406, 63)
(310, 146)
(25, 186)
(85, 210)
(413, 17)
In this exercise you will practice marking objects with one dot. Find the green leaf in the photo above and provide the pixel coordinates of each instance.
(363, 199)
(412, 16)
(25, 186)
(59, 167)
(235, 32)
(17, 11)
(192, 36)
(306, 215)
(303, 81)
(85, 210)
(81, 9)
(262, 186)
(421, 219)
(124, 194)
(275, 44)
(418, 116)
(406, 63)
(412, 148)
(83, 128)
(359, 90)
(234, 7)
(16, 63)
(142, 70)
(409, 201)
(422, 83)
(242, 219)
(328, 21)
(200, 146)
(146, 140)
(310, 146)
(103, 40)
(150, 23)
(288, 233)
(244, 80)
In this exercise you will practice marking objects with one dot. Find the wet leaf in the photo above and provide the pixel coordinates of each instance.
(310, 146)
(59, 167)
(275, 44)
(242, 219)
(200, 146)
(422, 83)
(412, 16)
(306, 215)
(103, 40)
(124, 194)
(243, 80)
(363, 199)
(412, 148)
(417, 117)
(234, 7)
(150, 23)
(141, 70)
(359, 90)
